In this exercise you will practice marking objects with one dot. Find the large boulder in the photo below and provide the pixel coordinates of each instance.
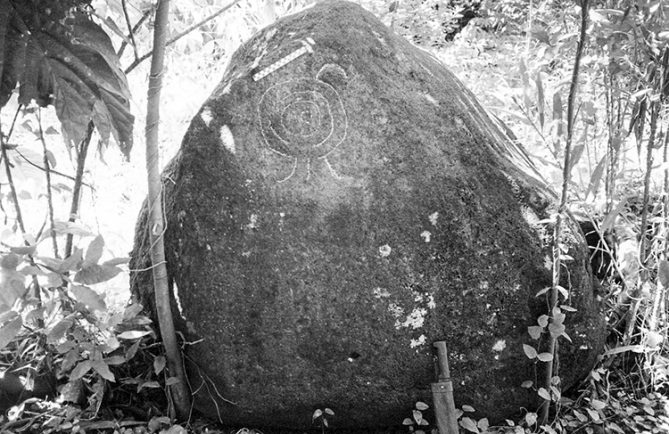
(341, 202)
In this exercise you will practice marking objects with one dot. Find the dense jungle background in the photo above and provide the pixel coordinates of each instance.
(73, 97)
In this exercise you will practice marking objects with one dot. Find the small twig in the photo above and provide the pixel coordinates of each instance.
(131, 33)
(82, 150)
(49, 196)
(54, 172)
(136, 62)
(134, 29)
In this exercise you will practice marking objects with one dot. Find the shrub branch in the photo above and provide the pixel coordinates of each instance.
(557, 230)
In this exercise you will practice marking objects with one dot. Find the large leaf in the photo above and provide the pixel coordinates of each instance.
(87, 296)
(95, 273)
(69, 63)
(94, 251)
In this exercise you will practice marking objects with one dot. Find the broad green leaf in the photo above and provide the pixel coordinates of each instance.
(530, 352)
(94, 251)
(132, 350)
(81, 369)
(535, 331)
(597, 404)
(417, 416)
(543, 291)
(115, 360)
(544, 394)
(542, 320)
(9, 329)
(103, 369)
(558, 315)
(89, 297)
(317, 413)
(329, 411)
(57, 332)
(422, 406)
(72, 262)
(580, 416)
(468, 408)
(555, 393)
(531, 418)
(70, 360)
(95, 273)
(527, 384)
(174, 380)
(563, 292)
(158, 364)
(133, 334)
(593, 414)
(545, 357)
(469, 425)
(556, 330)
(483, 424)
(407, 421)
(132, 311)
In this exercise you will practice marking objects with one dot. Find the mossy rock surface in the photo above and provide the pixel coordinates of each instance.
(339, 203)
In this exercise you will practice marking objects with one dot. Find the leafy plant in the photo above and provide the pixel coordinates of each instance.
(321, 416)
(417, 420)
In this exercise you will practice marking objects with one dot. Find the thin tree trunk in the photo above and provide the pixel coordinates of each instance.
(557, 231)
(82, 152)
(179, 390)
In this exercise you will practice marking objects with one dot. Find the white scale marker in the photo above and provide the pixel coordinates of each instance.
(307, 47)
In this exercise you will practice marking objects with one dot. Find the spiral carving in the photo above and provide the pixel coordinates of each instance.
(302, 120)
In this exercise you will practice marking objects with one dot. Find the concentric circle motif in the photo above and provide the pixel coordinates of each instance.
(303, 120)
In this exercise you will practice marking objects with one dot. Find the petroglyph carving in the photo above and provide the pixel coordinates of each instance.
(303, 120)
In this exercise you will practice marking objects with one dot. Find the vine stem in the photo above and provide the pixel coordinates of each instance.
(49, 195)
(557, 230)
(179, 390)
(82, 151)
(131, 33)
